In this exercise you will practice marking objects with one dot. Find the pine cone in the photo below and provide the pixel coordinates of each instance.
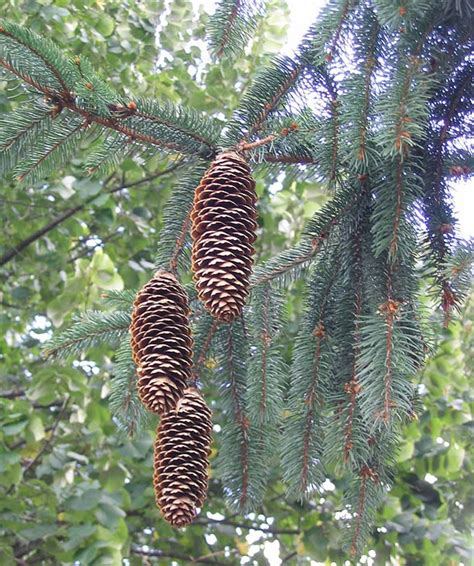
(181, 459)
(161, 342)
(223, 232)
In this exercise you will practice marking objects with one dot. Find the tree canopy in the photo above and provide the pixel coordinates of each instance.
(80, 237)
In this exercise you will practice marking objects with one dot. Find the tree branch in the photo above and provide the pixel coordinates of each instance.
(246, 526)
(188, 559)
(18, 248)
(49, 441)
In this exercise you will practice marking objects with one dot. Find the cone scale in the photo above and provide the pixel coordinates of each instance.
(181, 459)
(223, 232)
(161, 342)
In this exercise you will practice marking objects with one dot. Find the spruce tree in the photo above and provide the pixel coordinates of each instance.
(375, 104)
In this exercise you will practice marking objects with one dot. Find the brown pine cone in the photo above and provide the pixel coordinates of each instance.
(161, 342)
(181, 459)
(223, 233)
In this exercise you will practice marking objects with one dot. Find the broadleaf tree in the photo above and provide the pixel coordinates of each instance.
(340, 398)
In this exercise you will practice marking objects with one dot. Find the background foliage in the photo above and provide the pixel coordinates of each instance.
(74, 488)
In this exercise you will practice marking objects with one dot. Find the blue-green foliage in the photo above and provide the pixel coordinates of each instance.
(241, 462)
(89, 330)
(232, 25)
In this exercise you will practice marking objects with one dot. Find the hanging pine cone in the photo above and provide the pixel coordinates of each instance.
(223, 232)
(161, 342)
(181, 459)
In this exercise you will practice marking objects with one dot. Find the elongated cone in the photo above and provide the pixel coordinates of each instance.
(223, 233)
(181, 459)
(161, 342)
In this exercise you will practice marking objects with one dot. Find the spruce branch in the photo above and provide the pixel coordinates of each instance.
(88, 330)
(352, 388)
(19, 130)
(366, 489)
(75, 87)
(289, 159)
(235, 446)
(121, 300)
(368, 498)
(288, 263)
(240, 464)
(369, 46)
(452, 100)
(232, 25)
(266, 93)
(303, 439)
(316, 232)
(266, 367)
(39, 59)
(181, 124)
(323, 40)
(392, 350)
(174, 244)
(347, 436)
(52, 149)
(129, 412)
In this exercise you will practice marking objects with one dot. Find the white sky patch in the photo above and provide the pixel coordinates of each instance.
(328, 485)
(215, 516)
(210, 538)
(271, 551)
(430, 478)
(463, 200)
(40, 328)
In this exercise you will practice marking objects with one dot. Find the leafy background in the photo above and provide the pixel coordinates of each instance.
(73, 488)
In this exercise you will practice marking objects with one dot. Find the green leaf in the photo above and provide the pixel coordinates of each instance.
(36, 428)
(104, 274)
(15, 427)
(39, 531)
(87, 187)
(84, 502)
(315, 543)
(105, 25)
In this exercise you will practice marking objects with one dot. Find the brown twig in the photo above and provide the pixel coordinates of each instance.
(48, 442)
(228, 27)
(247, 526)
(18, 248)
(266, 342)
(353, 387)
(273, 102)
(202, 354)
(264, 141)
(173, 265)
(12, 394)
(240, 419)
(186, 558)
